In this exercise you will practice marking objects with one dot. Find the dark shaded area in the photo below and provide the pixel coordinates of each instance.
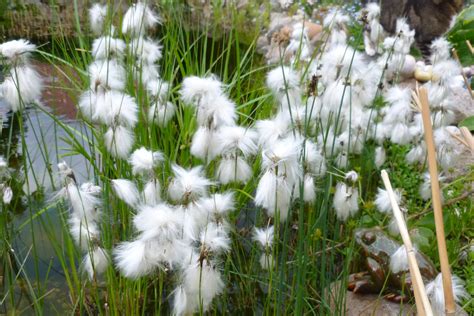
(429, 18)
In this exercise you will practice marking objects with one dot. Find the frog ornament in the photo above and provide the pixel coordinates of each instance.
(377, 249)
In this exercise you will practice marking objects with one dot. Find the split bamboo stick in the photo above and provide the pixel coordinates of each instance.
(450, 305)
(466, 82)
(469, 45)
(423, 306)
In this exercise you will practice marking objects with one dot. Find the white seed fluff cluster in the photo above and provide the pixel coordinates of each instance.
(107, 101)
(186, 231)
(264, 238)
(22, 84)
(84, 221)
(6, 191)
(218, 135)
(435, 293)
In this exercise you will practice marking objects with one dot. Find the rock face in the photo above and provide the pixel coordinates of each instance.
(368, 304)
(429, 18)
(371, 304)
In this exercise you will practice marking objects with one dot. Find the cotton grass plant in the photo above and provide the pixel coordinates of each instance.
(219, 185)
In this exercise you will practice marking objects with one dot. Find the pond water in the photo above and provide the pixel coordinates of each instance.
(36, 181)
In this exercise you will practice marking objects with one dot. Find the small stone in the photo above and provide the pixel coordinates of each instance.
(314, 31)
(422, 75)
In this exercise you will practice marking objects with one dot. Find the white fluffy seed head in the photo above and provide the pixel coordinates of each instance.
(445, 71)
(373, 11)
(380, 156)
(159, 222)
(201, 293)
(201, 143)
(95, 262)
(264, 236)
(397, 94)
(399, 260)
(351, 176)
(152, 192)
(127, 191)
(4, 164)
(119, 141)
(131, 259)
(400, 134)
(161, 113)
(188, 184)
(335, 20)
(22, 86)
(406, 36)
(106, 75)
(115, 107)
(382, 200)
(138, 19)
(416, 154)
(17, 51)
(440, 50)
(90, 188)
(284, 157)
(274, 195)
(7, 195)
(143, 73)
(338, 63)
(144, 160)
(146, 50)
(309, 189)
(233, 169)
(270, 131)
(218, 204)
(214, 238)
(180, 301)
(435, 293)
(64, 169)
(216, 112)
(85, 233)
(194, 89)
(236, 139)
(87, 104)
(84, 202)
(314, 160)
(97, 15)
(346, 201)
(393, 227)
(282, 79)
(425, 187)
(107, 47)
(158, 89)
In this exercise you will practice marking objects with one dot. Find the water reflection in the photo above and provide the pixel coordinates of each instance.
(26, 251)
(45, 145)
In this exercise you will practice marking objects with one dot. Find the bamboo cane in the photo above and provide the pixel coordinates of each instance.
(423, 306)
(469, 45)
(466, 82)
(450, 305)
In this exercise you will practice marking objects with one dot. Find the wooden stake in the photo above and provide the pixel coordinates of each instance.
(466, 82)
(450, 305)
(465, 138)
(423, 306)
(469, 45)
